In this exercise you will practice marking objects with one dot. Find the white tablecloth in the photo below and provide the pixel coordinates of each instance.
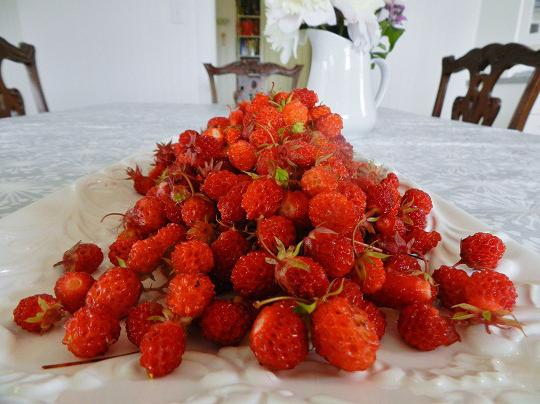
(494, 174)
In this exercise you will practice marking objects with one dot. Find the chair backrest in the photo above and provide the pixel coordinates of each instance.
(11, 100)
(247, 68)
(478, 106)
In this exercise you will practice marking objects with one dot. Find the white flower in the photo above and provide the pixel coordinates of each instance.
(362, 24)
(284, 18)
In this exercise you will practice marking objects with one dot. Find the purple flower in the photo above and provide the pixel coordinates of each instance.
(395, 12)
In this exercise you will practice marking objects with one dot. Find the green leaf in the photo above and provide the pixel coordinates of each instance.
(252, 175)
(36, 319)
(462, 316)
(43, 305)
(298, 127)
(296, 263)
(282, 176)
(372, 219)
(121, 262)
(303, 308)
(376, 254)
(270, 261)
(486, 315)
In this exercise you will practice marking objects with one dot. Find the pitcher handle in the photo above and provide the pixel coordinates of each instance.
(383, 85)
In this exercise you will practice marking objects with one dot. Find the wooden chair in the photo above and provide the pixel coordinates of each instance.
(478, 106)
(249, 68)
(11, 100)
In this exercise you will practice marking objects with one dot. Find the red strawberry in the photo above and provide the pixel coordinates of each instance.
(82, 257)
(422, 327)
(262, 137)
(348, 289)
(300, 153)
(279, 338)
(301, 277)
(197, 209)
(218, 122)
(120, 250)
(451, 282)
(141, 183)
(490, 290)
(330, 125)
(305, 96)
(140, 319)
(369, 273)
(225, 322)
(236, 117)
(275, 227)
(384, 197)
(218, 183)
(164, 154)
(202, 231)
(147, 215)
(144, 256)
(333, 251)
(116, 290)
(375, 315)
(227, 249)
(37, 313)
(232, 134)
(193, 257)
(262, 198)
(423, 241)
(90, 332)
(295, 206)
(354, 193)
(268, 160)
(269, 116)
(71, 289)
(482, 251)
(242, 155)
(169, 235)
(189, 294)
(402, 263)
(343, 334)
(319, 179)
(162, 348)
(253, 276)
(229, 206)
(417, 199)
(334, 211)
(295, 112)
(316, 112)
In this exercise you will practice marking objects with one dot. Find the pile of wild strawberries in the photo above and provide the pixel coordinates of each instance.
(264, 225)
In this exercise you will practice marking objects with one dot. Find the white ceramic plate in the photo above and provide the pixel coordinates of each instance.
(501, 367)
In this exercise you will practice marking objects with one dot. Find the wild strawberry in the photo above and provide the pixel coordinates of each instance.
(335, 164)
(295, 206)
(353, 193)
(295, 112)
(422, 241)
(317, 180)
(369, 273)
(225, 322)
(451, 282)
(90, 332)
(275, 227)
(227, 249)
(156, 172)
(37, 313)
(141, 183)
(482, 251)
(230, 206)
(169, 235)
(145, 256)
(343, 334)
(347, 289)
(269, 116)
(316, 112)
(140, 319)
(268, 161)
(404, 284)
(218, 183)
(281, 97)
(189, 294)
(375, 316)
(162, 348)
(384, 197)
(71, 289)
(197, 209)
(421, 326)
(232, 134)
(305, 96)
(164, 154)
(333, 251)
(416, 218)
(300, 153)
(120, 250)
(262, 198)
(252, 276)
(263, 137)
(236, 117)
(147, 215)
(417, 199)
(242, 155)
(202, 231)
(301, 277)
(218, 122)
(279, 338)
(82, 257)
(330, 125)
(490, 290)
(192, 257)
(116, 290)
(334, 211)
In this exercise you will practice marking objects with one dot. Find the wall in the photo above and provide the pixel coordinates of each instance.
(100, 51)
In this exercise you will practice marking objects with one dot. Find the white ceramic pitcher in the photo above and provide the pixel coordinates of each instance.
(340, 75)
